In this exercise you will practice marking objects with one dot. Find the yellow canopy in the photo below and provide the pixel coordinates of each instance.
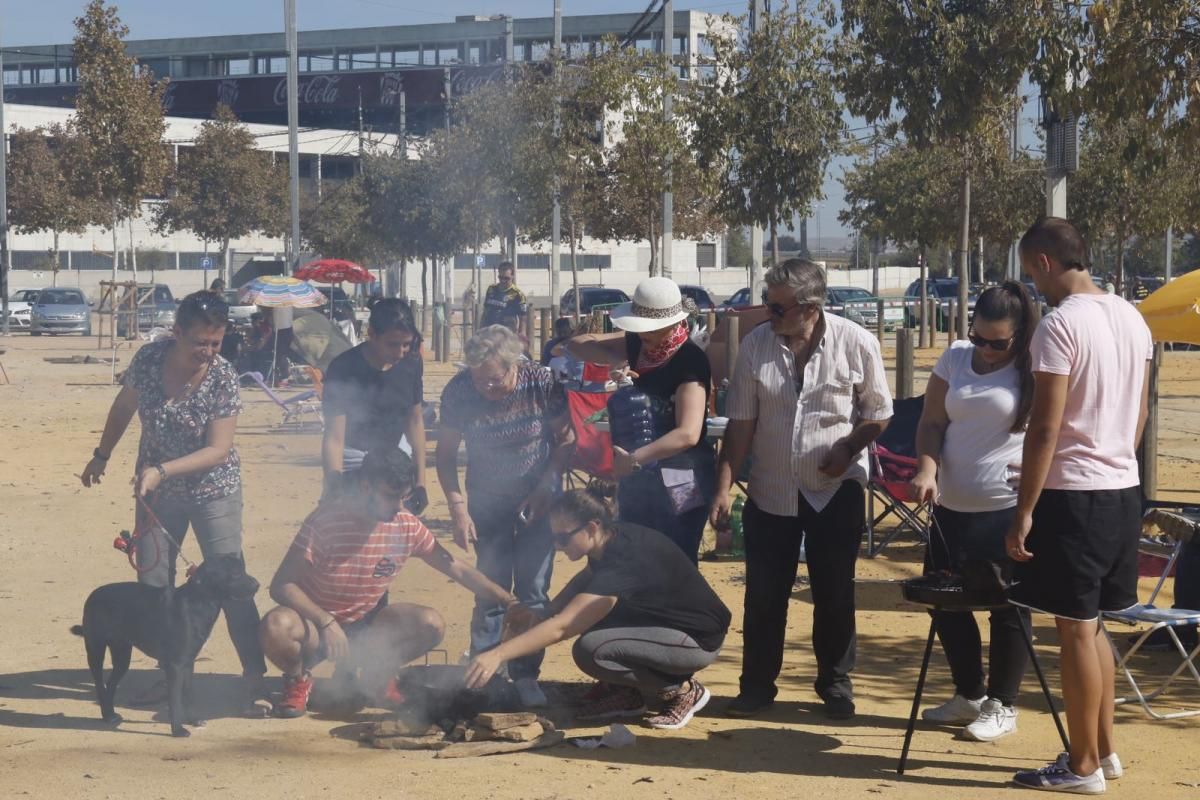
(1173, 312)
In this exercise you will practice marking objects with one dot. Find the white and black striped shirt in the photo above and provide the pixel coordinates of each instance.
(844, 382)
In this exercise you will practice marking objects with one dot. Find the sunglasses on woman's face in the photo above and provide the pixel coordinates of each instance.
(995, 344)
(561, 540)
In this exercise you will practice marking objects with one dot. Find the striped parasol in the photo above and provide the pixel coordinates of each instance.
(277, 291)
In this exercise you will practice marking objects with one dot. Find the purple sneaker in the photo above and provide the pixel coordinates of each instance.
(1058, 777)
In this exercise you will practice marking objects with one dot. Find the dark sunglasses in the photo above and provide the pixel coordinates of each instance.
(212, 303)
(781, 311)
(561, 539)
(995, 344)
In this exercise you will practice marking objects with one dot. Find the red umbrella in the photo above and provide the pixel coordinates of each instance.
(334, 270)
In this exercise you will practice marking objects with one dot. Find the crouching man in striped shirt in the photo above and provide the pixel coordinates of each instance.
(808, 394)
(332, 590)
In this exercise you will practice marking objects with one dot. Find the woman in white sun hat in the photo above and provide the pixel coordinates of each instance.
(667, 484)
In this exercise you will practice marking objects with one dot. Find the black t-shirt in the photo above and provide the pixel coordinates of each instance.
(376, 402)
(689, 364)
(656, 586)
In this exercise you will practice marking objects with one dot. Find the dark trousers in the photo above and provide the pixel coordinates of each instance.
(958, 537)
(831, 540)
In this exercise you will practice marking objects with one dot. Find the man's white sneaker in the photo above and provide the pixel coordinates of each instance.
(1110, 765)
(995, 721)
(530, 694)
(1057, 777)
(958, 710)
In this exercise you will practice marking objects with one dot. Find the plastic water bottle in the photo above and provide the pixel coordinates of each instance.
(631, 418)
(735, 525)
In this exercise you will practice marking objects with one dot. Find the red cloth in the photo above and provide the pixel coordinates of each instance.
(651, 358)
(354, 560)
(595, 373)
(593, 448)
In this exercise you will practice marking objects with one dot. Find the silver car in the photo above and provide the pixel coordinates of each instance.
(60, 311)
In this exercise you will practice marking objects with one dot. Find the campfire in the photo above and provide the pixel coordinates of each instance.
(488, 733)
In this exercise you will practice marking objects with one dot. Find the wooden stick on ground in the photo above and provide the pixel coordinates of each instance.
(472, 749)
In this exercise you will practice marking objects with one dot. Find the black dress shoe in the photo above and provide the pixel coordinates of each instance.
(745, 705)
(838, 707)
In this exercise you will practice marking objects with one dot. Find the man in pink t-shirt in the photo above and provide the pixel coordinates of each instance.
(1077, 524)
(332, 588)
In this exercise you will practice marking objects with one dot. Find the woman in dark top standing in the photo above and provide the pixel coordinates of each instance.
(667, 484)
(188, 471)
(646, 619)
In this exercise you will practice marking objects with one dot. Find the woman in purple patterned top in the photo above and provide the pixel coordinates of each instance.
(186, 398)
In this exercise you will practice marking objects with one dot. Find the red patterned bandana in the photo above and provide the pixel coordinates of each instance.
(651, 358)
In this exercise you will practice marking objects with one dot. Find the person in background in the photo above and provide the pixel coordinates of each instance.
(513, 416)
(646, 619)
(503, 303)
(1078, 518)
(562, 332)
(372, 398)
(217, 286)
(808, 394)
(666, 485)
(968, 448)
(188, 472)
(332, 590)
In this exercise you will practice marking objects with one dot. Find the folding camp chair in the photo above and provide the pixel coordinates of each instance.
(593, 448)
(893, 464)
(1179, 524)
(296, 407)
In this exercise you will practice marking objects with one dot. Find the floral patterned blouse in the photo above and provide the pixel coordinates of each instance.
(173, 429)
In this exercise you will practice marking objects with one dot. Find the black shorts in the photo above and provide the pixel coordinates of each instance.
(1084, 546)
(353, 630)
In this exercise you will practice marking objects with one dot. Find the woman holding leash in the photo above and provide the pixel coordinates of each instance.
(188, 473)
(646, 619)
(668, 484)
(969, 450)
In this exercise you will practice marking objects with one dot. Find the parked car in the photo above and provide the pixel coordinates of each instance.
(699, 295)
(343, 307)
(589, 297)
(943, 290)
(859, 305)
(739, 299)
(239, 313)
(60, 311)
(156, 308)
(20, 306)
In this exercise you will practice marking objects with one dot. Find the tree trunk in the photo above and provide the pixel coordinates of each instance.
(651, 234)
(424, 293)
(115, 248)
(964, 253)
(132, 251)
(1120, 263)
(477, 271)
(227, 264)
(404, 278)
(774, 243)
(925, 322)
(574, 269)
(54, 261)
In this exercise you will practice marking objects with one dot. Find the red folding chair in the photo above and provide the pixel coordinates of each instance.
(893, 465)
(593, 447)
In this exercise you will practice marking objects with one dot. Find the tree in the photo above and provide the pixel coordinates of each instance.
(40, 195)
(339, 225)
(118, 119)
(946, 65)
(769, 119)
(224, 188)
(737, 248)
(647, 155)
(1143, 61)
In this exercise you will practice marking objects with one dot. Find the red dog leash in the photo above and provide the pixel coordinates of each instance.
(127, 543)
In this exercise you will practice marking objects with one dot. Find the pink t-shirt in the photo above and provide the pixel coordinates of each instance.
(1102, 343)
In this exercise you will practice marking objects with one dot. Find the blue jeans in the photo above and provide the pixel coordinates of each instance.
(642, 499)
(519, 558)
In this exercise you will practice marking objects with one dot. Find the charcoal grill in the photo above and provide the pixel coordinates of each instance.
(944, 591)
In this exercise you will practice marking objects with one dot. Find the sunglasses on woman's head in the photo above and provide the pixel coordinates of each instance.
(995, 344)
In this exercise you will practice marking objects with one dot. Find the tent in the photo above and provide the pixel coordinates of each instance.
(317, 341)
(1173, 312)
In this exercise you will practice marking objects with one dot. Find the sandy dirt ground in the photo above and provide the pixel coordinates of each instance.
(56, 547)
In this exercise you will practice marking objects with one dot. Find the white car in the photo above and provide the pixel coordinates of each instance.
(20, 304)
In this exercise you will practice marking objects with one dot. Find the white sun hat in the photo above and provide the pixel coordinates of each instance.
(657, 304)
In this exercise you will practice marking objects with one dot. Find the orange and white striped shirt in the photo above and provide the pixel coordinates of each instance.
(355, 558)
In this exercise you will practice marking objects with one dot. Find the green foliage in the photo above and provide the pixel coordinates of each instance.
(768, 121)
(338, 224)
(410, 210)
(737, 248)
(40, 194)
(118, 117)
(224, 188)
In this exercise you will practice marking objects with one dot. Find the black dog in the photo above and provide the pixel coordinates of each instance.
(169, 625)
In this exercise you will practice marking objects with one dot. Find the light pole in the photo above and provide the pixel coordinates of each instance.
(293, 113)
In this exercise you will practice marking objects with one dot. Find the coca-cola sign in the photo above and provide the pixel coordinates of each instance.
(319, 90)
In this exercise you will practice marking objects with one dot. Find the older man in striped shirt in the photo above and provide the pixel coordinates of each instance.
(808, 394)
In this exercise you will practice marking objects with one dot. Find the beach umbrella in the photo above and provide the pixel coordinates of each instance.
(334, 270)
(316, 340)
(278, 291)
(1173, 312)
